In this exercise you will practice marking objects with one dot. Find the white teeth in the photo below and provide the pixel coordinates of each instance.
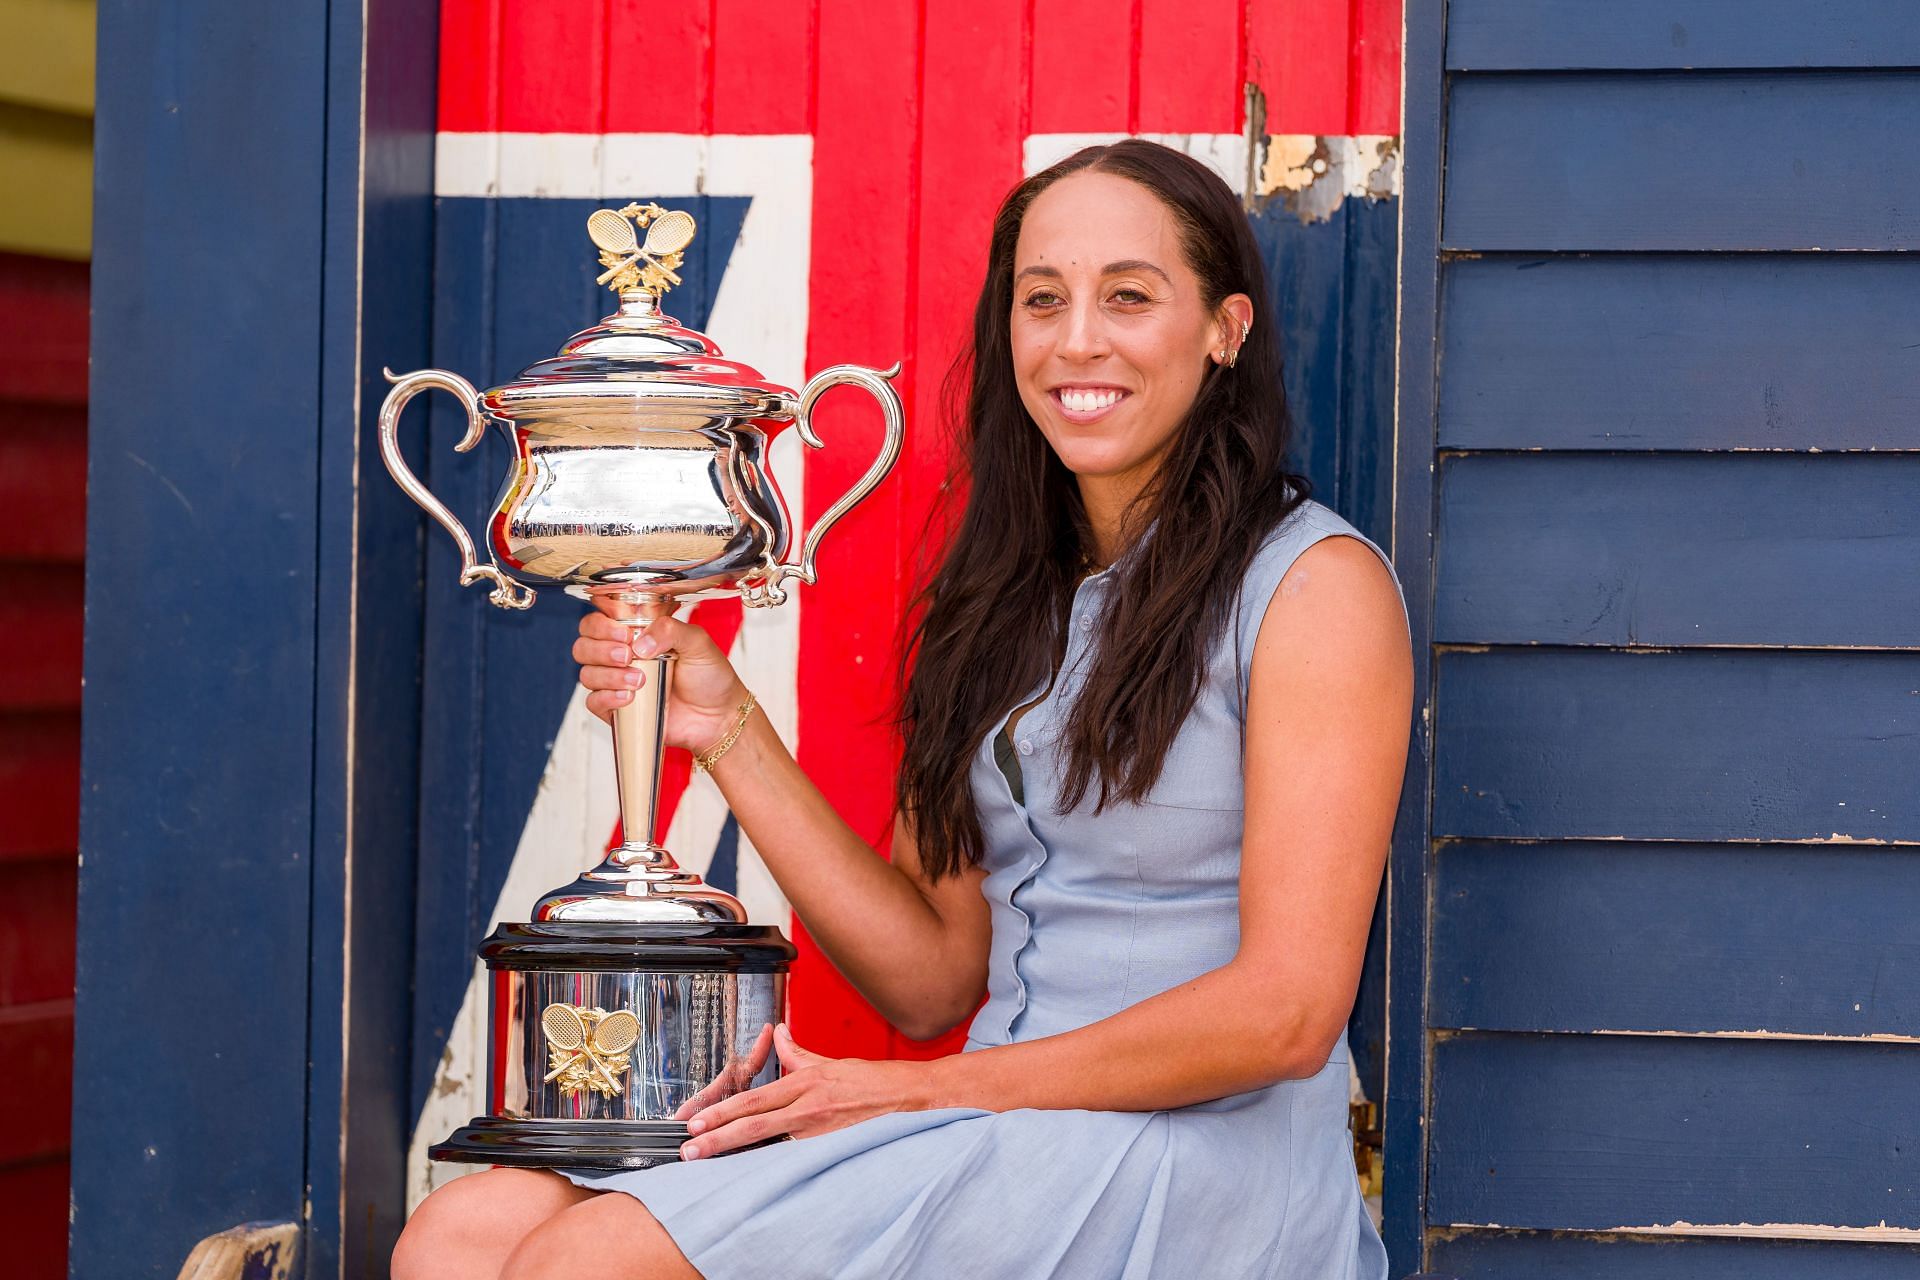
(1088, 401)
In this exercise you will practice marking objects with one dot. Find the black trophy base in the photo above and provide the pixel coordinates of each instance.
(598, 1145)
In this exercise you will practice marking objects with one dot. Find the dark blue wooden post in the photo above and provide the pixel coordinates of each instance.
(262, 243)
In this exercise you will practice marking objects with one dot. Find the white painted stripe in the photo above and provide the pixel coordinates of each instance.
(575, 809)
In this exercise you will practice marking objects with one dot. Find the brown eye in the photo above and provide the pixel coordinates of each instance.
(1043, 298)
(1130, 297)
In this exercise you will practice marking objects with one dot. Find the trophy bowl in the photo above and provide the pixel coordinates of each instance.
(637, 994)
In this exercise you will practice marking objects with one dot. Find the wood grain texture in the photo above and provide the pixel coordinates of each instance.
(1683, 161)
(1603, 1132)
(1679, 549)
(1721, 745)
(1515, 35)
(1634, 352)
(1500, 1255)
(1612, 936)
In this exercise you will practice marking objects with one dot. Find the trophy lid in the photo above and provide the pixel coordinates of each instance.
(639, 360)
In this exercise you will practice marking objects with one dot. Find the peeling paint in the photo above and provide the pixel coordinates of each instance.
(1314, 173)
(1882, 1233)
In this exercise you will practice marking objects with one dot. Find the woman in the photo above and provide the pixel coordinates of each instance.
(1154, 734)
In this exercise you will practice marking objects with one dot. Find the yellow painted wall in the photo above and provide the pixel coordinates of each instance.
(46, 127)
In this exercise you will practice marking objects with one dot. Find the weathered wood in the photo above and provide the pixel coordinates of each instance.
(1605, 935)
(1601, 1133)
(1649, 161)
(1675, 549)
(1518, 35)
(1717, 745)
(1498, 1255)
(251, 1251)
(1631, 352)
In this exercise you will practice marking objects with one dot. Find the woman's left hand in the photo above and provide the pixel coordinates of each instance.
(816, 1095)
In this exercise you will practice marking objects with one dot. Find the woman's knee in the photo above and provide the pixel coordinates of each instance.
(585, 1239)
(469, 1226)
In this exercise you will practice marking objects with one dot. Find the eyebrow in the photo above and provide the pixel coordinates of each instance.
(1121, 267)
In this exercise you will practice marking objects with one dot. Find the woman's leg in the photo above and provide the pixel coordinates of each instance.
(466, 1229)
(611, 1236)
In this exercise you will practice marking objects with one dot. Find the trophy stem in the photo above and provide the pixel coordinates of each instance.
(639, 741)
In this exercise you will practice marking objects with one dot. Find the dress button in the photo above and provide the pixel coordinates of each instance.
(1026, 746)
(1086, 622)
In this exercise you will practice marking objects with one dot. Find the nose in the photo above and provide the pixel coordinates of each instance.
(1085, 335)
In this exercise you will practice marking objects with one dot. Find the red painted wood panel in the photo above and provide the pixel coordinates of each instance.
(1082, 73)
(1190, 58)
(762, 66)
(553, 67)
(1298, 53)
(39, 785)
(469, 66)
(36, 946)
(866, 195)
(43, 482)
(40, 617)
(1373, 94)
(43, 330)
(36, 1217)
(36, 1044)
(659, 68)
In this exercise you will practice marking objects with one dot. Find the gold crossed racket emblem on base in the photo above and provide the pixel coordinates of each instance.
(587, 1049)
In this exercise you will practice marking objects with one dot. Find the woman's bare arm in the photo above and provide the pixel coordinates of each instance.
(1328, 717)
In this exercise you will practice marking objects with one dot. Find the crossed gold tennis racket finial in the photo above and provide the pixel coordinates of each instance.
(587, 1048)
(630, 263)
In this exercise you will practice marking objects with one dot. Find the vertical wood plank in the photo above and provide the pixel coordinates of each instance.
(1373, 91)
(762, 66)
(861, 245)
(1082, 66)
(1297, 52)
(659, 67)
(469, 54)
(551, 67)
(1190, 66)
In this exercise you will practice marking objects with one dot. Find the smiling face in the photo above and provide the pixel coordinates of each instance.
(1111, 333)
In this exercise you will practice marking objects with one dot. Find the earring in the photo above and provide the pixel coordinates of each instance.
(1233, 357)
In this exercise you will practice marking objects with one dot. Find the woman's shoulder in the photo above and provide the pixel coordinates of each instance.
(1310, 524)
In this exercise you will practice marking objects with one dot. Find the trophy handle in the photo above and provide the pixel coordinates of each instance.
(506, 593)
(879, 384)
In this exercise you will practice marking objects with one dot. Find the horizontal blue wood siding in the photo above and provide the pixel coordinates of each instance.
(1679, 549)
(1603, 1132)
(1604, 935)
(1514, 35)
(1658, 161)
(1523, 1255)
(1635, 352)
(1716, 745)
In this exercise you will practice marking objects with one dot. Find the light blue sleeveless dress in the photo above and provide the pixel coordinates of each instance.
(1091, 913)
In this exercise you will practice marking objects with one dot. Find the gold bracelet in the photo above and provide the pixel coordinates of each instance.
(705, 760)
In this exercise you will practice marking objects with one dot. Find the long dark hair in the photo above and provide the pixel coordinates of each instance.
(991, 622)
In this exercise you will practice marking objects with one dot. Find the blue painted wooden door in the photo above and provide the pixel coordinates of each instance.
(1655, 998)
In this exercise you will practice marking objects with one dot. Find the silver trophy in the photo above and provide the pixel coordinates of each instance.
(637, 994)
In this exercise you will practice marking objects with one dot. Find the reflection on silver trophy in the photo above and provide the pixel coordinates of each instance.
(639, 481)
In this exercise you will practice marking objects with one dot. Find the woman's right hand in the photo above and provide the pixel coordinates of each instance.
(707, 692)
